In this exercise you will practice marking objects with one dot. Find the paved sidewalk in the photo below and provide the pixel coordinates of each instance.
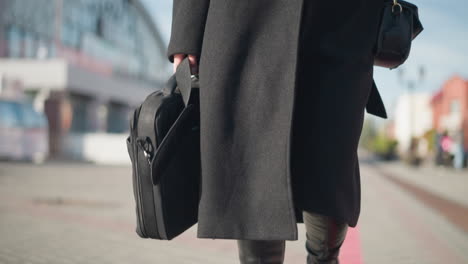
(397, 227)
(445, 182)
(81, 213)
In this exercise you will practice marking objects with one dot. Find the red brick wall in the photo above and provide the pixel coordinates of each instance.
(455, 88)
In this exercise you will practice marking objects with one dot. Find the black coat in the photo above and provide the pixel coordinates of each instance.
(280, 112)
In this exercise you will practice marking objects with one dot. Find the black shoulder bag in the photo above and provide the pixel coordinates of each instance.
(399, 25)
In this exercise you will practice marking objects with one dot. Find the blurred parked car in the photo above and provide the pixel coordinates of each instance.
(23, 132)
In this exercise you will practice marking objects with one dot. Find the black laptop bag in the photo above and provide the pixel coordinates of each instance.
(164, 148)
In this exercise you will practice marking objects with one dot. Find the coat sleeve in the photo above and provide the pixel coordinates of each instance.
(188, 26)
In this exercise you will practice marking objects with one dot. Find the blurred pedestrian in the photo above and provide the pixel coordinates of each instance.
(283, 89)
(438, 149)
(458, 150)
(446, 143)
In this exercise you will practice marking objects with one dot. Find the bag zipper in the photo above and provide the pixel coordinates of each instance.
(136, 179)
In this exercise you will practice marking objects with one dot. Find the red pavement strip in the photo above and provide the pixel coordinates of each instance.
(351, 252)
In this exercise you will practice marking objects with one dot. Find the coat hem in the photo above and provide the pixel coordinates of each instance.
(243, 237)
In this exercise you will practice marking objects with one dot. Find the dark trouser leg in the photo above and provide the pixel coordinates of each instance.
(261, 251)
(324, 238)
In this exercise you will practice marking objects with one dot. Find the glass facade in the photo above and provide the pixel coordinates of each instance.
(117, 33)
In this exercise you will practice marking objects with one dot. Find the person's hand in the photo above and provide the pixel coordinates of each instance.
(192, 61)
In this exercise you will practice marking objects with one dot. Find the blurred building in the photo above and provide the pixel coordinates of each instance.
(413, 118)
(450, 108)
(86, 63)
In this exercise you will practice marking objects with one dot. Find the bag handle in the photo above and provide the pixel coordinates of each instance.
(186, 80)
(183, 80)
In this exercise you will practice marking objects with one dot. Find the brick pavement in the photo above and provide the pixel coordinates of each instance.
(396, 227)
(81, 213)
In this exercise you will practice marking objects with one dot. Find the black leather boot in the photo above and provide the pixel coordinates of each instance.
(324, 238)
(261, 251)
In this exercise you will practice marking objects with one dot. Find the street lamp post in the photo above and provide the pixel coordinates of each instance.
(58, 25)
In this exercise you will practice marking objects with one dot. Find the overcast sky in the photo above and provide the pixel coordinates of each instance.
(442, 48)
